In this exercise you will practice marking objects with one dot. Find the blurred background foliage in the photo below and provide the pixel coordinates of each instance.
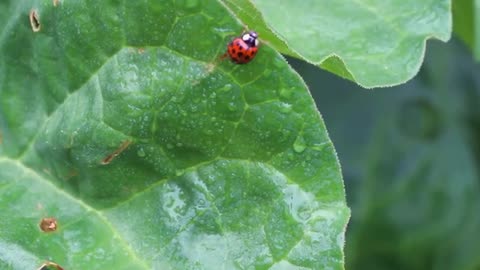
(410, 157)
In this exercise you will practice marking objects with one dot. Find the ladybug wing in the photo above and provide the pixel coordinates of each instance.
(251, 52)
(238, 50)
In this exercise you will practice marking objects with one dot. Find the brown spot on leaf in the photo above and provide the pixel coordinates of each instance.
(48, 224)
(50, 266)
(34, 20)
(71, 173)
(115, 153)
(47, 171)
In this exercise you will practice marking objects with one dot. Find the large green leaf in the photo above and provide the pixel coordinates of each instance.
(374, 43)
(119, 121)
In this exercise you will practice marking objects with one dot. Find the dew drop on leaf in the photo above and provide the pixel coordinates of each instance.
(141, 152)
(285, 108)
(285, 93)
(232, 107)
(208, 132)
(299, 145)
(226, 88)
(304, 212)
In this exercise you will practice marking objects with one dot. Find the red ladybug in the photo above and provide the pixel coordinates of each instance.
(243, 49)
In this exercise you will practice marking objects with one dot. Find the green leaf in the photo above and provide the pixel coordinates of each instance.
(374, 43)
(118, 119)
(465, 19)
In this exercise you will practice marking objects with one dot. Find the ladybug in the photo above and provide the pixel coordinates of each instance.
(243, 49)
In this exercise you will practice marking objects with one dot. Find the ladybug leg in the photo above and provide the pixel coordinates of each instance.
(225, 55)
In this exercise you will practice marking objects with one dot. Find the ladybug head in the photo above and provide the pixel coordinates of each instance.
(251, 38)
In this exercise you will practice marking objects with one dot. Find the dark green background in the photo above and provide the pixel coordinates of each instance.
(410, 157)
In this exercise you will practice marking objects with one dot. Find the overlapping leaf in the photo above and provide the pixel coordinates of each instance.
(374, 43)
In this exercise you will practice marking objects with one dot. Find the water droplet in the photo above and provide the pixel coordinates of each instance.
(141, 152)
(231, 106)
(285, 132)
(208, 132)
(190, 5)
(286, 108)
(226, 88)
(318, 225)
(304, 213)
(299, 145)
(286, 93)
(179, 97)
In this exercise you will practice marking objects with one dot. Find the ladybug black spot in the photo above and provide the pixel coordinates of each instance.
(247, 57)
(233, 51)
(240, 54)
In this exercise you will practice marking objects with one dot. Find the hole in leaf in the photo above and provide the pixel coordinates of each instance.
(48, 224)
(117, 152)
(34, 20)
(50, 266)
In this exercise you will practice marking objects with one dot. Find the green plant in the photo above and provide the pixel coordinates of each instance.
(118, 120)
